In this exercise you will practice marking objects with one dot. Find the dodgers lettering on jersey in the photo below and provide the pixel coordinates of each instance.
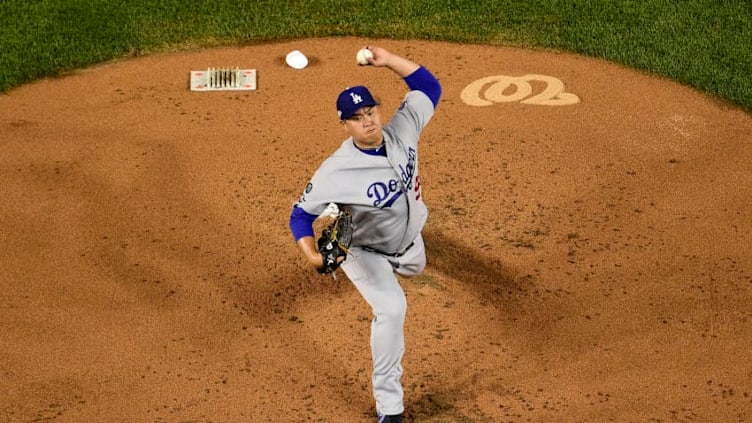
(408, 171)
(381, 191)
(392, 189)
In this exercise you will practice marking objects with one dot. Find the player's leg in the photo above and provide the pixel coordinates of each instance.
(374, 278)
(414, 260)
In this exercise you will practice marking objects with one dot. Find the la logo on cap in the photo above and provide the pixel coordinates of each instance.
(353, 98)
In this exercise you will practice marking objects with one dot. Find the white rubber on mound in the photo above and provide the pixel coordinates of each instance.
(223, 79)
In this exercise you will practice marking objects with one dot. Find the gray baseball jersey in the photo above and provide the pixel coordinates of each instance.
(383, 193)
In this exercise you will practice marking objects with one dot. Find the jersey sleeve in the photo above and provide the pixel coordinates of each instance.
(322, 190)
(305, 211)
(301, 223)
(424, 81)
(412, 116)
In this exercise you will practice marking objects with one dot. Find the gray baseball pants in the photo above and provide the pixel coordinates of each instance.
(373, 275)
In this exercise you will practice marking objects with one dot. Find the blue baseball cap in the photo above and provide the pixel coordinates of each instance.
(352, 99)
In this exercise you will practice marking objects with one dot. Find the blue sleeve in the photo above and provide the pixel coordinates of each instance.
(423, 80)
(301, 223)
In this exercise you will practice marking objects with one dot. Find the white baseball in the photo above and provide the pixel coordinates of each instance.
(363, 55)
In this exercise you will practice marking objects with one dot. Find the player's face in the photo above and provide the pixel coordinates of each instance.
(365, 126)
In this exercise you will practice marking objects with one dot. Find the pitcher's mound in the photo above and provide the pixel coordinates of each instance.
(588, 244)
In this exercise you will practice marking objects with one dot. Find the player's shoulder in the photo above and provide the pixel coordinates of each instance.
(342, 161)
(416, 106)
(346, 149)
(345, 152)
(417, 101)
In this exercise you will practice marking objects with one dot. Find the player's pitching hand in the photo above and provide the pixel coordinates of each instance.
(380, 56)
(384, 58)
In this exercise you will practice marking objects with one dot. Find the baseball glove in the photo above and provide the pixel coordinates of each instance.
(335, 241)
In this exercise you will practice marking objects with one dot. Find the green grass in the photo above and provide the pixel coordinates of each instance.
(703, 43)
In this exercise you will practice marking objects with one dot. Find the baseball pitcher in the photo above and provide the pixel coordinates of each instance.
(374, 180)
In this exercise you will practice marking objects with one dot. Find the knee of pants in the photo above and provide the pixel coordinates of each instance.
(392, 311)
(411, 270)
(414, 262)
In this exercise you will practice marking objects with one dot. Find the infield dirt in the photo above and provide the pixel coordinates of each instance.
(588, 257)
